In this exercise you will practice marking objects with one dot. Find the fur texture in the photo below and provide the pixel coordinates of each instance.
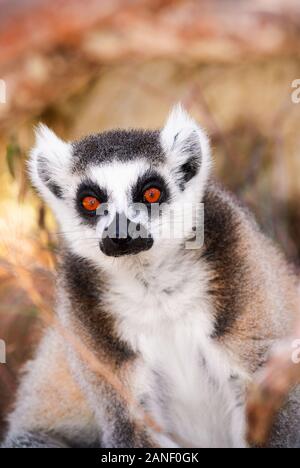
(185, 329)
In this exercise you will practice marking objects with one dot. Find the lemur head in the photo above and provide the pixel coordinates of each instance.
(105, 189)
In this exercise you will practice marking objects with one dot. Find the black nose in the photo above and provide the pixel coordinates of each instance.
(117, 240)
(121, 243)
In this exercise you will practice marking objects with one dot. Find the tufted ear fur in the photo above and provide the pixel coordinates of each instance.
(186, 146)
(49, 163)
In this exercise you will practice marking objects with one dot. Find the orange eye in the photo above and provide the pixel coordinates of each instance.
(152, 195)
(90, 203)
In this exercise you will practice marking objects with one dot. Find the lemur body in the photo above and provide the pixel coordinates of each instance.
(184, 329)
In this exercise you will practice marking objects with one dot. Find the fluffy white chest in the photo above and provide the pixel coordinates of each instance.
(183, 377)
(187, 385)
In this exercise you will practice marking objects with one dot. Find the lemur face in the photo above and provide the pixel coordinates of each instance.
(113, 193)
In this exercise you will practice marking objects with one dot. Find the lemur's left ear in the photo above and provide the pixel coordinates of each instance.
(186, 146)
(49, 162)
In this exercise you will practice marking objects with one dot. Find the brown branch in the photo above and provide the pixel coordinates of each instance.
(269, 392)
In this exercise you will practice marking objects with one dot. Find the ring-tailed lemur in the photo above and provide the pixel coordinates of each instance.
(184, 329)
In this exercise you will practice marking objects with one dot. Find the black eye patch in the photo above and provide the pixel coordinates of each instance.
(150, 179)
(89, 189)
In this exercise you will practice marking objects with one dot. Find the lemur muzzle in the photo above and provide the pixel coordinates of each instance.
(124, 237)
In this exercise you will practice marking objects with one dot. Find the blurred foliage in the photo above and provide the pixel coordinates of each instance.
(13, 152)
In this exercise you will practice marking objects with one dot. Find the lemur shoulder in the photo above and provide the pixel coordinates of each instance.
(185, 329)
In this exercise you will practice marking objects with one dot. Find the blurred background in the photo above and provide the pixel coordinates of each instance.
(85, 66)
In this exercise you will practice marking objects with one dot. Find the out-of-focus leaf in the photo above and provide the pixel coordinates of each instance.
(13, 152)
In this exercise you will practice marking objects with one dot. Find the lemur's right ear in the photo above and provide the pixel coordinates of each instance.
(49, 162)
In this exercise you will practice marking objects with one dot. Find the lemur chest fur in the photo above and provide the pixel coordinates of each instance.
(182, 376)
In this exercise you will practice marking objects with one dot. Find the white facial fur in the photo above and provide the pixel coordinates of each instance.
(117, 178)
